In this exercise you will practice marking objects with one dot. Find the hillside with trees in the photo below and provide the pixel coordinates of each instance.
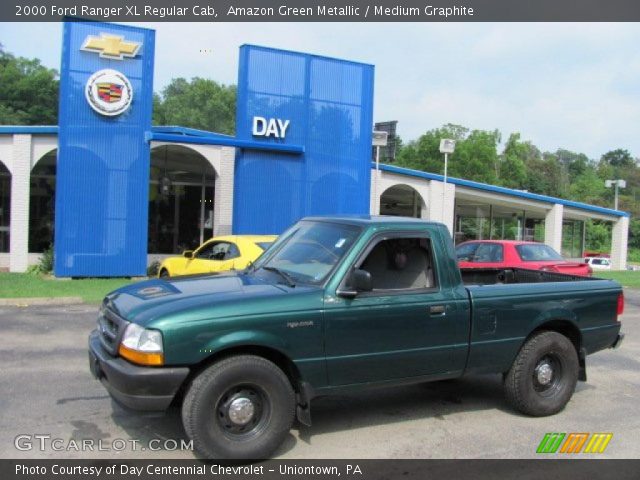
(199, 103)
(521, 165)
(29, 96)
(28, 91)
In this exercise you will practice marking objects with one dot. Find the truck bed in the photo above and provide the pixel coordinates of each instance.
(507, 303)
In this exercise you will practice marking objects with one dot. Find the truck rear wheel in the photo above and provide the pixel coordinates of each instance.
(543, 376)
(241, 407)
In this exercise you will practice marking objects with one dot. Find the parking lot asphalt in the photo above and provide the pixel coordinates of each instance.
(47, 390)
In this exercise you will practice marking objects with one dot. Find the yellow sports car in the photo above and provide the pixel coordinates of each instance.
(231, 252)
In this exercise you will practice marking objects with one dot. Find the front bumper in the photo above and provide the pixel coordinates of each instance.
(148, 389)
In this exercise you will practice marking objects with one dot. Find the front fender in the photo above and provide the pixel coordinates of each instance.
(190, 346)
(243, 338)
(175, 266)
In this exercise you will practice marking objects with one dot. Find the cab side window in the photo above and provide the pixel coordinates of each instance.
(218, 251)
(401, 264)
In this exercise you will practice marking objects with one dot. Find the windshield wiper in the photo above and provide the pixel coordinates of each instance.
(288, 278)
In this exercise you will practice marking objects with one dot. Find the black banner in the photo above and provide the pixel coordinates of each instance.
(544, 469)
(323, 10)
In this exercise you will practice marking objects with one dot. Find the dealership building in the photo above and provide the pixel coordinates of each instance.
(111, 192)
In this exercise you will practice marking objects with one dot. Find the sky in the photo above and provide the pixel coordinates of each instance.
(561, 85)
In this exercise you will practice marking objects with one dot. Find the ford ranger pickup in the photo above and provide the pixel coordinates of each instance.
(341, 304)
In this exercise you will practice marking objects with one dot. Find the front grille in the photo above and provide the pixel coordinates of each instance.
(111, 328)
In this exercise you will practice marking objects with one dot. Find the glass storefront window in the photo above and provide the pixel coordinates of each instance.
(175, 217)
(401, 200)
(507, 224)
(473, 222)
(181, 192)
(572, 239)
(42, 201)
(493, 222)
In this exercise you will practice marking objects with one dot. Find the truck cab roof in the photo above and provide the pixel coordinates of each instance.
(371, 220)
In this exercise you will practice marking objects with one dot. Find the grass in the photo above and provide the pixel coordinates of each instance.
(626, 278)
(24, 285)
(93, 290)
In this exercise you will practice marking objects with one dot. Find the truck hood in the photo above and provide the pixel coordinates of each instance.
(203, 296)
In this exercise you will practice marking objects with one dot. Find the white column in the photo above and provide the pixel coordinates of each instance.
(619, 236)
(376, 192)
(223, 195)
(441, 203)
(553, 227)
(19, 229)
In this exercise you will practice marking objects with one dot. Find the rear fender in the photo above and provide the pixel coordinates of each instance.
(565, 322)
(561, 315)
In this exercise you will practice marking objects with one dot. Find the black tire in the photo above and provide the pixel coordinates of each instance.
(207, 413)
(164, 273)
(543, 376)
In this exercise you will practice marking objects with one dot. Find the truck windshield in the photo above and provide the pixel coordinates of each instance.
(309, 251)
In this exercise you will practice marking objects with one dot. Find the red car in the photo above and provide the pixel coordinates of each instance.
(511, 253)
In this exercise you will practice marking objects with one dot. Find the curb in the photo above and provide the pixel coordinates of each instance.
(39, 301)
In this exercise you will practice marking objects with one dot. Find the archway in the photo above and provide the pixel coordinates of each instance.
(181, 193)
(42, 201)
(402, 201)
(5, 207)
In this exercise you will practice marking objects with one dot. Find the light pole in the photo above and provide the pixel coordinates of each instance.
(618, 184)
(447, 146)
(379, 139)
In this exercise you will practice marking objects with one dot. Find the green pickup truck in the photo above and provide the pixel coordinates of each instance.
(341, 304)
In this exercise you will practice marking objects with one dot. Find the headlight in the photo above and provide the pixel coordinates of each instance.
(142, 346)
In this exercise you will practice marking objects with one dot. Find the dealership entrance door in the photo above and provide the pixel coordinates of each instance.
(181, 198)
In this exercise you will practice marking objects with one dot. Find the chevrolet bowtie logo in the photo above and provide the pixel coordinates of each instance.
(112, 47)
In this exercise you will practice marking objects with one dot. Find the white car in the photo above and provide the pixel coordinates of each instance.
(598, 263)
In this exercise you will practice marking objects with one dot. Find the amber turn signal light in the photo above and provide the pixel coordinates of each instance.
(141, 358)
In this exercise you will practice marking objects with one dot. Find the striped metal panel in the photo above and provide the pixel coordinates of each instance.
(329, 104)
(103, 162)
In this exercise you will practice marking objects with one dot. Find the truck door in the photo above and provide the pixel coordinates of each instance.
(410, 324)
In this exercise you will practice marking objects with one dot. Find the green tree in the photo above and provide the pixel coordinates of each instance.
(618, 158)
(475, 156)
(588, 188)
(634, 234)
(513, 171)
(199, 103)
(574, 163)
(597, 236)
(28, 91)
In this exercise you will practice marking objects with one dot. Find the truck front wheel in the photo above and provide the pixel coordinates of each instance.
(241, 407)
(543, 376)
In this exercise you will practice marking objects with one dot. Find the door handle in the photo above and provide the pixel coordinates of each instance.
(437, 310)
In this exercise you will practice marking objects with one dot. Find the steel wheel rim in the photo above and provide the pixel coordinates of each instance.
(547, 375)
(242, 411)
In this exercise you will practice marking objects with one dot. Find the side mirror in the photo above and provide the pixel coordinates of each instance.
(187, 254)
(359, 281)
